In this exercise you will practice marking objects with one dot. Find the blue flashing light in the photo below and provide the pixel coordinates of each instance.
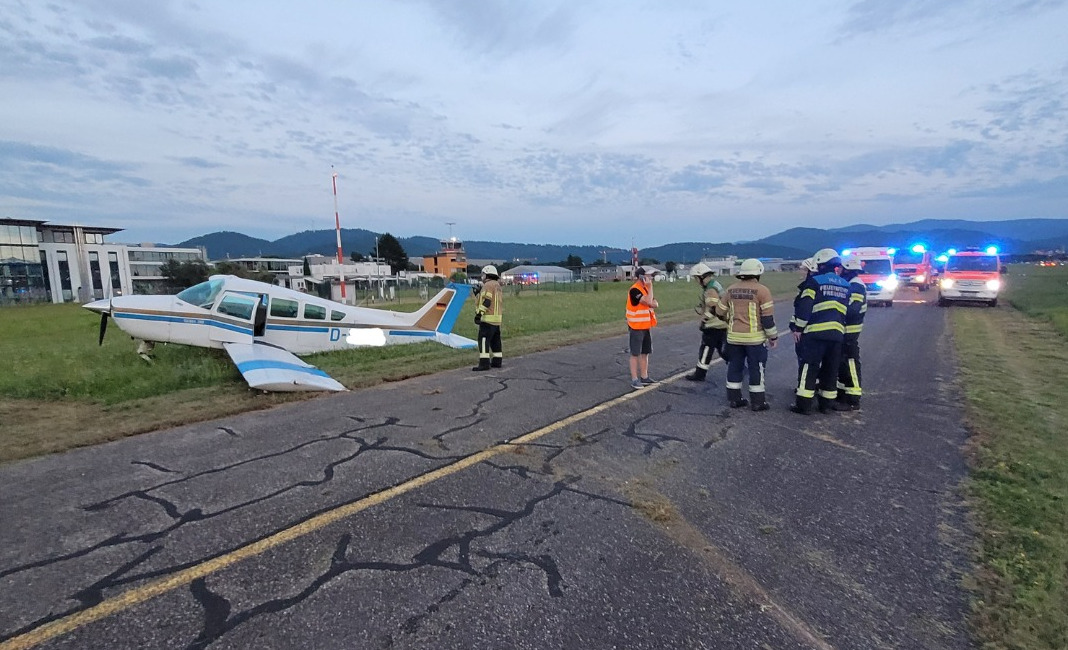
(991, 250)
(847, 252)
(919, 248)
(942, 258)
(952, 251)
(891, 251)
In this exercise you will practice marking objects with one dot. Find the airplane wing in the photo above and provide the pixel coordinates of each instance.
(267, 367)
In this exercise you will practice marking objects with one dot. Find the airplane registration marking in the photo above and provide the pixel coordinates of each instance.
(146, 592)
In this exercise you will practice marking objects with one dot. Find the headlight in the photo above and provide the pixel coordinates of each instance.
(921, 277)
(993, 285)
(889, 283)
(947, 283)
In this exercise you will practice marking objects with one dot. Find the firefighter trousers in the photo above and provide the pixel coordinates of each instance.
(849, 369)
(489, 344)
(712, 342)
(755, 357)
(819, 368)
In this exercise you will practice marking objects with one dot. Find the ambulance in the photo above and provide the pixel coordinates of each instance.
(877, 272)
(915, 267)
(971, 275)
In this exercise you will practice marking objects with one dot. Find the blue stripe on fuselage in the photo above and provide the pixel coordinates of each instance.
(185, 320)
(266, 364)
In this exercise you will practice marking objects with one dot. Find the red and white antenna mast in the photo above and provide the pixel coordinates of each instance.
(337, 227)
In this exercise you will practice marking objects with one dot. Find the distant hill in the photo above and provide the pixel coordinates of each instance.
(1017, 236)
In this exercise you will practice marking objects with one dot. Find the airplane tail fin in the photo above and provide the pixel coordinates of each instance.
(439, 315)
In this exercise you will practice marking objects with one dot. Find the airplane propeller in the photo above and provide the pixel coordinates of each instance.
(103, 325)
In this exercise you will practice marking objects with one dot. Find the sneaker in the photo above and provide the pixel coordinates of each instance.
(647, 381)
(637, 383)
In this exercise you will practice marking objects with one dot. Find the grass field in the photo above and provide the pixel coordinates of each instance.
(61, 390)
(1014, 371)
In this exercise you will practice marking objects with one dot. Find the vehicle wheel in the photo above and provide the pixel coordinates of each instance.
(924, 287)
(994, 302)
(889, 303)
(942, 302)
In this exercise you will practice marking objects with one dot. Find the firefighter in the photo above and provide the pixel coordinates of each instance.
(849, 368)
(713, 328)
(748, 309)
(807, 268)
(820, 318)
(488, 317)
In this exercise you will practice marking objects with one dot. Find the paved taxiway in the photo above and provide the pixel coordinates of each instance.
(637, 519)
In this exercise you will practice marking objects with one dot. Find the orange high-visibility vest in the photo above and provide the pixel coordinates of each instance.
(640, 316)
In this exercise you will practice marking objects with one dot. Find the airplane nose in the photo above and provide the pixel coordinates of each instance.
(99, 306)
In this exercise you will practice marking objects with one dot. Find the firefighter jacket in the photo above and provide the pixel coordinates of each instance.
(821, 307)
(640, 316)
(750, 313)
(797, 301)
(858, 306)
(489, 303)
(707, 307)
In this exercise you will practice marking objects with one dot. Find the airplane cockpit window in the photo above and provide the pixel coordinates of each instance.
(283, 308)
(337, 315)
(238, 305)
(203, 294)
(314, 312)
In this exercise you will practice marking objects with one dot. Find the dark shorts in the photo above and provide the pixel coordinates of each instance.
(641, 342)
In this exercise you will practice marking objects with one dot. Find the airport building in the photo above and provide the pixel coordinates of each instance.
(46, 262)
(450, 259)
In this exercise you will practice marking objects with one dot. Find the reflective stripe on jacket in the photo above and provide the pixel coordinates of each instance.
(749, 310)
(489, 303)
(707, 307)
(820, 311)
(640, 316)
(858, 306)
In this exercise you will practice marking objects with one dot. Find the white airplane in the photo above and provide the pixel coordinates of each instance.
(262, 326)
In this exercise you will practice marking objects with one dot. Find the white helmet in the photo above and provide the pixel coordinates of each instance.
(750, 267)
(700, 269)
(490, 269)
(809, 265)
(826, 256)
(853, 264)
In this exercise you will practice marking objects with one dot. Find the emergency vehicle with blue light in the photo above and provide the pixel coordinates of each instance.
(915, 267)
(971, 275)
(877, 272)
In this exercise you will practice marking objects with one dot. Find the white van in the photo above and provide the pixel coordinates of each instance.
(877, 272)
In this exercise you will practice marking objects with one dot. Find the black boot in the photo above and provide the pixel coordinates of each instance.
(496, 362)
(483, 365)
(827, 405)
(735, 399)
(802, 405)
(698, 374)
(853, 401)
(760, 401)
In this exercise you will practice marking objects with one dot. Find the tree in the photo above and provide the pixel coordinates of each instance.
(390, 250)
(307, 268)
(229, 268)
(573, 261)
(184, 274)
(670, 266)
(357, 257)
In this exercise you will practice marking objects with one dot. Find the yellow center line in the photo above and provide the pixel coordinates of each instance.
(186, 576)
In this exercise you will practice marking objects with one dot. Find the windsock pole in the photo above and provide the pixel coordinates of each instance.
(337, 227)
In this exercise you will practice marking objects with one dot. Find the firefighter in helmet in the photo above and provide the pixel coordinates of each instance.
(713, 328)
(488, 317)
(820, 316)
(749, 311)
(849, 368)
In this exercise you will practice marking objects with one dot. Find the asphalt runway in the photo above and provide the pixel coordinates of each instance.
(394, 517)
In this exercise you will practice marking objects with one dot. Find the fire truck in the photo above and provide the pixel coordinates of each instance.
(877, 273)
(915, 268)
(971, 275)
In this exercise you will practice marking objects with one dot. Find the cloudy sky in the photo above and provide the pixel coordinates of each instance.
(610, 122)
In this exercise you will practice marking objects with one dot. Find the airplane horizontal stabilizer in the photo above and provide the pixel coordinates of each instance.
(455, 341)
(267, 367)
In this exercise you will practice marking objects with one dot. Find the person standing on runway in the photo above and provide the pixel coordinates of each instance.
(713, 328)
(749, 310)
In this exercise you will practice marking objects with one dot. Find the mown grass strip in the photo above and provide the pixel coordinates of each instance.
(1014, 372)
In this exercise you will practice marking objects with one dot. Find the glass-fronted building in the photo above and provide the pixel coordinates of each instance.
(22, 270)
